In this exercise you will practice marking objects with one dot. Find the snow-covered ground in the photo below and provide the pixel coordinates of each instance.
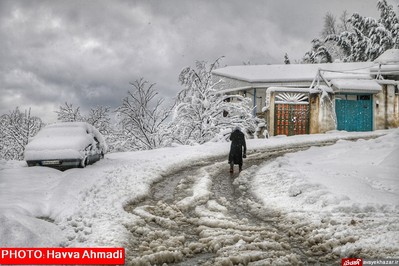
(347, 193)
(348, 190)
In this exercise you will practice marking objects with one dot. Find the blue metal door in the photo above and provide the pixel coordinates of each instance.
(355, 114)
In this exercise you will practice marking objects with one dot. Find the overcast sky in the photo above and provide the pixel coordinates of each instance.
(86, 52)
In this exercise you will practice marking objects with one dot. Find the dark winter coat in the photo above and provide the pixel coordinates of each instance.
(236, 149)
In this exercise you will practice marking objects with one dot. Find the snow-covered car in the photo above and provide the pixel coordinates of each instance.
(66, 145)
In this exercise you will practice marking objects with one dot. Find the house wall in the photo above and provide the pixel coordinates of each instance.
(270, 115)
(386, 113)
(255, 92)
(327, 119)
(396, 106)
(223, 83)
(322, 113)
(321, 117)
(258, 97)
(314, 101)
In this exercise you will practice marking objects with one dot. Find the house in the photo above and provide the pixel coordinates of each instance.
(315, 98)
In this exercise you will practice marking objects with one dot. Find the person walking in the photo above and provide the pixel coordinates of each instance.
(238, 149)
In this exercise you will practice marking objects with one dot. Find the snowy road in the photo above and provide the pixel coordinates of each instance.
(183, 224)
(180, 206)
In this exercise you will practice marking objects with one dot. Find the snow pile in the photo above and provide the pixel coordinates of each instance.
(84, 205)
(24, 199)
(352, 186)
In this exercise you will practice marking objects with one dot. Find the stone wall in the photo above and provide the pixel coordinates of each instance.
(386, 113)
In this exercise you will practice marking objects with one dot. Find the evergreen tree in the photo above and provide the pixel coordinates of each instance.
(318, 54)
(390, 20)
(368, 38)
(286, 59)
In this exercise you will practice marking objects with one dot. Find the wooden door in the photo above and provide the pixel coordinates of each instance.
(291, 119)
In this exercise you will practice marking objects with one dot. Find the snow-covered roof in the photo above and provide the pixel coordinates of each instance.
(387, 64)
(356, 85)
(388, 57)
(294, 72)
(287, 89)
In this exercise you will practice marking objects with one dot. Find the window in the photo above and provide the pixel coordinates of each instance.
(364, 97)
(353, 97)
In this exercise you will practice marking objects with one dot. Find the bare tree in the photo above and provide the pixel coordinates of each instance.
(16, 128)
(99, 118)
(68, 113)
(142, 117)
(330, 26)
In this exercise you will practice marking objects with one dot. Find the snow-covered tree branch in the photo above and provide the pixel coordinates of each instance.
(368, 37)
(201, 112)
(356, 38)
(142, 118)
(68, 113)
(16, 128)
(318, 54)
(99, 118)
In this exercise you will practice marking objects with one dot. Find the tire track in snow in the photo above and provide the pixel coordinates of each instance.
(205, 216)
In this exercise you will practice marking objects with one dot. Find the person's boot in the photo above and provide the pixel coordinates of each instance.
(240, 168)
(231, 169)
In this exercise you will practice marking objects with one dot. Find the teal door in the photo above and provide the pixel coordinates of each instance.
(354, 112)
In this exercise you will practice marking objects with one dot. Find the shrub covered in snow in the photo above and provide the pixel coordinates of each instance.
(201, 113)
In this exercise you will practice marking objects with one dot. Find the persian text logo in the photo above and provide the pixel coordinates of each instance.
(352, 261)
